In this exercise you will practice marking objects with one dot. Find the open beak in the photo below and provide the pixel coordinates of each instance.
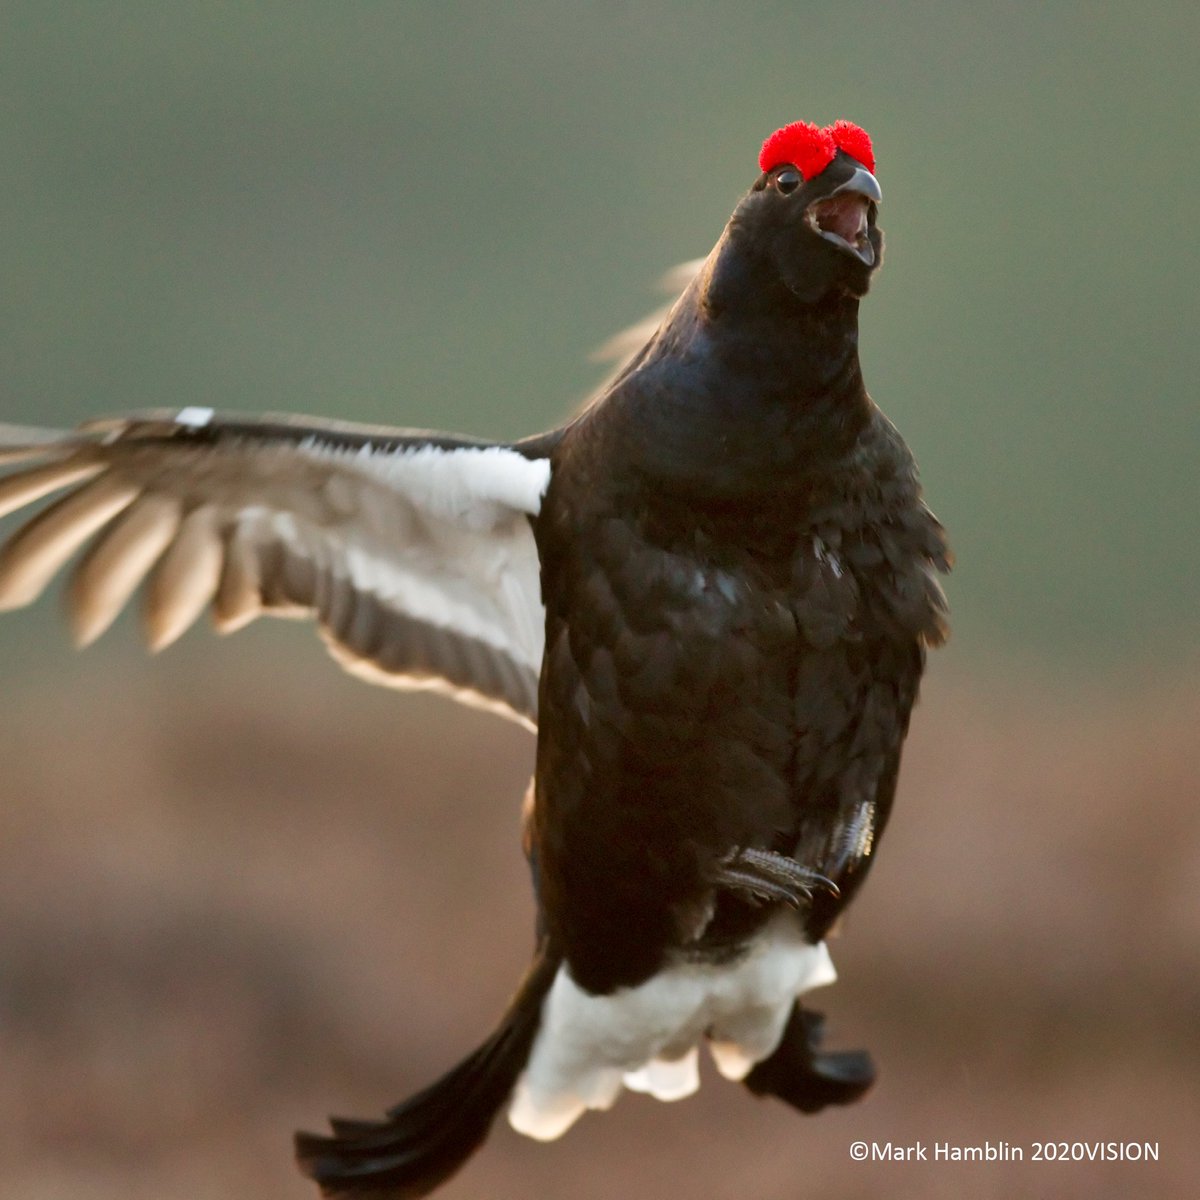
(843, 217)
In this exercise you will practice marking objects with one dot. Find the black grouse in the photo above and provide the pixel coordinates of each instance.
(711, 592)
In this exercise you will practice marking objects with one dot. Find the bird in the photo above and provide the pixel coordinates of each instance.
(710, 593)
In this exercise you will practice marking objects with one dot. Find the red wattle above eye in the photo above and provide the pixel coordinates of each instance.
(853, 139)
(810, 149)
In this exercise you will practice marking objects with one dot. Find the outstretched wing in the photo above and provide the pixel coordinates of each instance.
(414, 551)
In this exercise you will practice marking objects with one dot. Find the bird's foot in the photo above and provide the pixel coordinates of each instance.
(765, 875)
(799, 1074)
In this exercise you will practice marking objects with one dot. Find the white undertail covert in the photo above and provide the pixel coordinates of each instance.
(645, 1038)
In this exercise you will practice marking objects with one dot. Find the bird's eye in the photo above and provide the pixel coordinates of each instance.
(788, 180)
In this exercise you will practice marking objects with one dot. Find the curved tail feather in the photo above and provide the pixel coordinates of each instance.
(427, 1138)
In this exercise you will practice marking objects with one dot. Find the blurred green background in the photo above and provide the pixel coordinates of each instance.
(429, 214)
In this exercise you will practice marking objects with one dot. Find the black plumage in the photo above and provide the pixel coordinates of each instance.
(739, 582)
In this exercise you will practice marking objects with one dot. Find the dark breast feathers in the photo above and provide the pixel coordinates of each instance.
(719, 677)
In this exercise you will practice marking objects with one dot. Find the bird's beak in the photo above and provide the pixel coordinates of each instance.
(862, 182)
(842, 217)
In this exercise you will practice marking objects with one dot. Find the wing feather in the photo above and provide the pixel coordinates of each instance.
(117, 562)
(27, 487)
(413, 551)
(185, 580)
(34, 554)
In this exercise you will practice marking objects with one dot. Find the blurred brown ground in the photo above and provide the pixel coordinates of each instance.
(231, 905)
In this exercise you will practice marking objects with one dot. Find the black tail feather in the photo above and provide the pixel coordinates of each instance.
(801, 1075)
(427, 1138)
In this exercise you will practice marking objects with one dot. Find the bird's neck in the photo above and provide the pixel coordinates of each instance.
(745, 393)
(804, 348)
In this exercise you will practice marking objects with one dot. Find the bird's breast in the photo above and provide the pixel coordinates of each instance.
(668, 722)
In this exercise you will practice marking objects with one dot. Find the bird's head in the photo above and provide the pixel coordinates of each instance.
(810, 217)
